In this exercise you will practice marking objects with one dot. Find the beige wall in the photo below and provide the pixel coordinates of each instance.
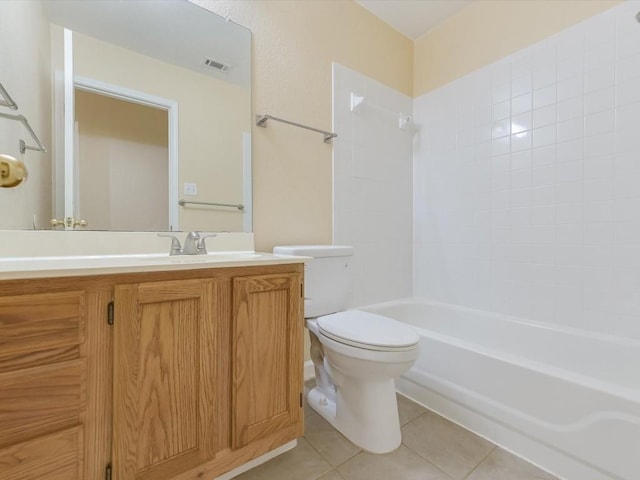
(25, 73)
(488, 30)
(212, 116)
(123, 159)
(294, 44)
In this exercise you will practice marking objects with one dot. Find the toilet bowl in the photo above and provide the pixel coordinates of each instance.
(359, 399)
(356, 355)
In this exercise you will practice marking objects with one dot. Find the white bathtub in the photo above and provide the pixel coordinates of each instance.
(565, 400)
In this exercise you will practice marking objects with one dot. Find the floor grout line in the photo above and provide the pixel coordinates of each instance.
(480, 462)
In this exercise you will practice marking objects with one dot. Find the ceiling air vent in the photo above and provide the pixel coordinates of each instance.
(209, 62)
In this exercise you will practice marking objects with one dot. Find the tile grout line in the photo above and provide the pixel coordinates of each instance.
(481, 461)
(422, 456)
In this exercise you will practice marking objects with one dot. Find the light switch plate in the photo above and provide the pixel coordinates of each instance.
(191, 189)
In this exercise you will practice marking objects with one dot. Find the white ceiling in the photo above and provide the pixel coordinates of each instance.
(413, 18)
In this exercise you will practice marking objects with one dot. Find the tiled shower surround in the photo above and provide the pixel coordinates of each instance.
(527, 182)
(372, 186)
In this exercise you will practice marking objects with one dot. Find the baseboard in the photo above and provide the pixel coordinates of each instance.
(309, 371)
(258, 461)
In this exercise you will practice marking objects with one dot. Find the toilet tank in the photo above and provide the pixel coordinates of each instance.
(328, 278)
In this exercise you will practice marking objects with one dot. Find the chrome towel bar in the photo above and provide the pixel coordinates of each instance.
(261, 121)
(7, 100)
(25, 122)
(239, 206)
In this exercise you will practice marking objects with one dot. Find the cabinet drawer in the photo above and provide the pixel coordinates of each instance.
(40, 400)
(40, 329)
(55, 457)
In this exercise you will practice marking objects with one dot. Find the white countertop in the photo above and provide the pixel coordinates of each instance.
(65, 266)
(46, 254)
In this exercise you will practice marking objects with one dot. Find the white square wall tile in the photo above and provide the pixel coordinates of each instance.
(599, 100)
(544, 75)
(569, 171)
(500, 93)
(521, 141)
(544, 195)
(521, 160)
(570, 129)
(569, 192)
(550, 200)
(543, 155)
(544, 175)
(598, 233)
(501, 110)
(571, 67)
(544, 116)
(600, 55)
(543, 136)
(520, 197)
(598, 190)
(522, 66)
(598, 167)
(570, 108)
(598, 211)
(544, 96)
(521, 104)
(599, 123)
(598, 78)
(570, 213)
(628, 68)
(599, 145)
(627, 45)
(521, 123)
(545, 215)
(569, 88)
(521, 85)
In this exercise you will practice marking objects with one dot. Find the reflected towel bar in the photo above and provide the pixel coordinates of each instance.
(239, 206)
(261, 121)
(8, 101)
(25, 122)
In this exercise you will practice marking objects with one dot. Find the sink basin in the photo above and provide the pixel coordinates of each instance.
(210, 257)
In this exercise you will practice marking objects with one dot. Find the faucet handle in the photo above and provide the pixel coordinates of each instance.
(201, 245)
(176, 248)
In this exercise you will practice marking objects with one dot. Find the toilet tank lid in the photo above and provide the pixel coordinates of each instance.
(315, 251)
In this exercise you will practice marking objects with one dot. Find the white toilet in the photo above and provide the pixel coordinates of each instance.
(356, 355)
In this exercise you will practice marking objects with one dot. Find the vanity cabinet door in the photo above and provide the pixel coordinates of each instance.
(267, 378)
(171, 376)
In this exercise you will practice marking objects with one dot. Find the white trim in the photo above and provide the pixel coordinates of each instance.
(309, 371)
(142, 98)
(258, 461)
(69, 127)
(247, 193)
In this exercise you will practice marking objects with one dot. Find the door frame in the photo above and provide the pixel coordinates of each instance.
(170, 106)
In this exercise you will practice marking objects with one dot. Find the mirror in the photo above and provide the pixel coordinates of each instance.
(159, 138)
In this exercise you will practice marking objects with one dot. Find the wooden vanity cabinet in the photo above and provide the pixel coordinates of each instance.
(163, 376)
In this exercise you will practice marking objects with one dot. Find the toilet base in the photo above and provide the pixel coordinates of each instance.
(364, 412)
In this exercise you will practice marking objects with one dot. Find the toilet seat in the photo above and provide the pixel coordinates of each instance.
(368, 331)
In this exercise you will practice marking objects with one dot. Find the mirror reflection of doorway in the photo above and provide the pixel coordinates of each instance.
(122, 168)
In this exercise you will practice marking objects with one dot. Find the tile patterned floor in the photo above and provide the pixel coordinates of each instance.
(432, 448)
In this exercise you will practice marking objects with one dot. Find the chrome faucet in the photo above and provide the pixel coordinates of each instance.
(194, 243)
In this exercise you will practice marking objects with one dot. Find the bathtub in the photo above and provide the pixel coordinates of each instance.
(566, 400)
